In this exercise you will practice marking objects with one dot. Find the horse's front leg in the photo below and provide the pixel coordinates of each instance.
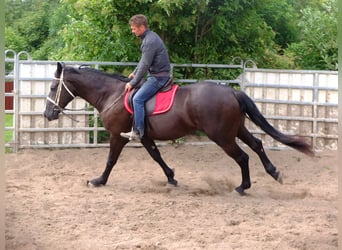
(152, 149)
(116, 145)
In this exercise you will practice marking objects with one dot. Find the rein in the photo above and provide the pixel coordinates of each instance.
(113, 103)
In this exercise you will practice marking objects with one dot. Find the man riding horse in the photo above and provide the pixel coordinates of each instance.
(155, 62)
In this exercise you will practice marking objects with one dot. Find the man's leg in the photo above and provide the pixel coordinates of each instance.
(147, 90)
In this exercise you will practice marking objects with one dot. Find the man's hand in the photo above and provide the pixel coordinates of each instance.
(128, 87)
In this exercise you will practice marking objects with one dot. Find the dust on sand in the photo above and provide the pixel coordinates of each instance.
(48, 205)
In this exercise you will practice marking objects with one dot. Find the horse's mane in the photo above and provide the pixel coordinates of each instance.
(100, 72)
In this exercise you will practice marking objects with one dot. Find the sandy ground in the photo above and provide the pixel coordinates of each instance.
(48, 205)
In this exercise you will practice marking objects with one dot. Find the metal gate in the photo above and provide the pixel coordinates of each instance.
(301, 102)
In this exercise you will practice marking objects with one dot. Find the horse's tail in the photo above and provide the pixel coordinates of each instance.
(248, 107)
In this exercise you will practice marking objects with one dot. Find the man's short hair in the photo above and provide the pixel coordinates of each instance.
(138, 20)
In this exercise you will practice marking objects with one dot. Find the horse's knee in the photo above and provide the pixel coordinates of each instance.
(242, 160)
(257, 145)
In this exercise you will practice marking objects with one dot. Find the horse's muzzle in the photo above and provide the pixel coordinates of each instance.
(51, 114)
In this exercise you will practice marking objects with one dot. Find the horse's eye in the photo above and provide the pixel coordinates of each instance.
(53, 86)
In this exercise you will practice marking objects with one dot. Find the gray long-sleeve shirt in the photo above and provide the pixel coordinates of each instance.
(154, 59)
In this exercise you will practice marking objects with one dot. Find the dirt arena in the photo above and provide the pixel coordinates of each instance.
(48, 205)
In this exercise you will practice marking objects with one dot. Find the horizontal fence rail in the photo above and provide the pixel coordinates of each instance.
(295, 102)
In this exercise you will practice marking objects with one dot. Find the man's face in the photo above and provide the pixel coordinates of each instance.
(138, 30)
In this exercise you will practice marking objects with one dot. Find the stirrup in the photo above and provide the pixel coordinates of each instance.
(132, 135)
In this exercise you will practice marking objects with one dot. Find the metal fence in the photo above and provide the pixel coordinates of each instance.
(302, 102)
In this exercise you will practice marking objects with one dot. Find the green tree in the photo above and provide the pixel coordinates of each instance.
(208, 31)
(317, 48)
(98, 30)
(14, 40)
(198, 31)
(53, 42)
(282, 17)
(14, 9)
(27, 24)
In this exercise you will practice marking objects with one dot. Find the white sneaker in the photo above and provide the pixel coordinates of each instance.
(133, 135)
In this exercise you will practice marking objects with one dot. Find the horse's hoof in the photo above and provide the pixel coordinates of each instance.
(90, 184)
(280, 178)
(93, 184)
(173, 183)
(240, 190)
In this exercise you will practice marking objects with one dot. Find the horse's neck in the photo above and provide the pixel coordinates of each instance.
(100, 93)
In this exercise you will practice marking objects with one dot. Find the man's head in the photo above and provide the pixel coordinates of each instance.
(138, 24)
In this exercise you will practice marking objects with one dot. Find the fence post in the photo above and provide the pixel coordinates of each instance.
(10, 77)
(16, 120)
(315, 111)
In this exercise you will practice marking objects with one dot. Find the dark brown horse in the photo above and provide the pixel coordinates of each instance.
(217, 110)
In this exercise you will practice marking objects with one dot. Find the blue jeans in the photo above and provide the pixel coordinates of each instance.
(146, 91)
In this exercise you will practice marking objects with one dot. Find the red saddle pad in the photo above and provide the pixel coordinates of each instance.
(158, 104)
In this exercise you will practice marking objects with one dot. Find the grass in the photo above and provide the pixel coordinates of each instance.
(8, 123)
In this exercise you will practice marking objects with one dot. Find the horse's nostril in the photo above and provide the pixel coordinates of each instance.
(51, 114)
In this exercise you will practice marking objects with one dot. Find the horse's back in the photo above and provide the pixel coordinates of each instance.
(201, 106)
(211, 96)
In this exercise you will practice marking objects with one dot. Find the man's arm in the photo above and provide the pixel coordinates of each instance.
(148, 50)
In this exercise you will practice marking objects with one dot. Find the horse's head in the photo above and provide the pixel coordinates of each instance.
(59, 96)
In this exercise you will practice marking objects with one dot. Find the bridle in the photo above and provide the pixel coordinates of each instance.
(61, 84)
(55, 102)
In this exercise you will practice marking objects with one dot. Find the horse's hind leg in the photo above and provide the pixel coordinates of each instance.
(152, 149)
(256, 145)
(241, 158)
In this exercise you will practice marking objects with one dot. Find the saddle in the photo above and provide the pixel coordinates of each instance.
(158, 104)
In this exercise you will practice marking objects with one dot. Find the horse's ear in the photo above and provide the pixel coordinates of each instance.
(60, 66)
